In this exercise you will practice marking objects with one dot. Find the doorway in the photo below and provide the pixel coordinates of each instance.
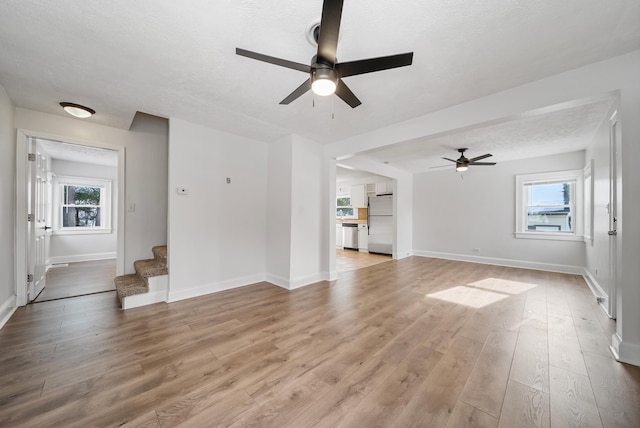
(78, 208)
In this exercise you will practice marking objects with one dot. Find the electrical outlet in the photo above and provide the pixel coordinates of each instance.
(475, 250)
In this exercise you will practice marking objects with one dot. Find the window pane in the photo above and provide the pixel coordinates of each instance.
(80, 217)
(81, 195)
(343, 202)
(549, 194)
(344, 212)
(549, 219)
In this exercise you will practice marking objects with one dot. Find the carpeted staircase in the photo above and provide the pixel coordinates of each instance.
(148, 285)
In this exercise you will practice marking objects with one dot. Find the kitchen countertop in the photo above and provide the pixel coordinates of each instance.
(351, 221)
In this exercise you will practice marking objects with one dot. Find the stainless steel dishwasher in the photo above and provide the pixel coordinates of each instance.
(350, 236)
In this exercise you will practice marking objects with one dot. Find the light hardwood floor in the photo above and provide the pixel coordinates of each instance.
(347, 260)
(415, 342)
(79, 278)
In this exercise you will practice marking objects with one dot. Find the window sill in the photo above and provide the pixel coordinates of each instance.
(82, 232)
(550, 236)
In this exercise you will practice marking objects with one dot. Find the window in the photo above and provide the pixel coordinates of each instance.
(83, 205)
(549, 205)
(343, 207)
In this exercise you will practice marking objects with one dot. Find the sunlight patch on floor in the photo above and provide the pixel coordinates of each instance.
(481, 293)
(503, 285)
(468, 296)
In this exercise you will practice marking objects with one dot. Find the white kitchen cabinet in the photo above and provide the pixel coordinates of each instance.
(338, 235)
(363, 238)
(359, 196)
(384, 188)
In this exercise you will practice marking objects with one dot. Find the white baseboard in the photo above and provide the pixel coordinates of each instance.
(597, 290)
(81, 258)
(7, 309)
(624, 351)
(403, 254)
(301, 281)
(523, 264)
(158, 286)
(201, 290)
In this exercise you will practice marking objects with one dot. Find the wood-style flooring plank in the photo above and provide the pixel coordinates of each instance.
(412, 342)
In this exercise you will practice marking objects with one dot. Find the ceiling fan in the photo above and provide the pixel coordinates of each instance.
(325, 73)
(462, 163)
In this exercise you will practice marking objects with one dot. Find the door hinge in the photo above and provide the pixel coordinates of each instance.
(29, 277)
(31, 157)
(31, 217)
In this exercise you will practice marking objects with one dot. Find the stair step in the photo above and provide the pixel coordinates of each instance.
(129, 285)
(150, 267)
(160, 252)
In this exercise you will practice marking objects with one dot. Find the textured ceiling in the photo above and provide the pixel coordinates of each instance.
(564, 129)
(171, 58)
(78, 153)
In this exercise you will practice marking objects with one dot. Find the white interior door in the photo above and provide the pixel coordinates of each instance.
(615, 179)
(38, 209)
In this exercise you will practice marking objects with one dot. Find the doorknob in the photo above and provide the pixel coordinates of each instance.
(46, 228)
(612, 232)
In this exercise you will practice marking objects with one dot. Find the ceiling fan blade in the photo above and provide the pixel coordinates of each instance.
(480, 157)
(346, 95)
(274, 60)
(298, 92)
(329, 30)
(482, 163)
(440, 166)
(352, 68)
(450, 160)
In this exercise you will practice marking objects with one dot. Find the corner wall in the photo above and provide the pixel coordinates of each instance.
(7, 213)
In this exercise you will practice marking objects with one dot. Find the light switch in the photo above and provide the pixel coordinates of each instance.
(182, 191)
(132, 208)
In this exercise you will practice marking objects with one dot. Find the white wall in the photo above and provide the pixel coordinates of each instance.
(7, 213)
(145, 170)
(96, 246)
(217, 233)
(454, 215)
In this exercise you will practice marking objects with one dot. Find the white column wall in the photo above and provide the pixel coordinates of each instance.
(279, 212)
(309, 235)
(7, 213)
(217, 232)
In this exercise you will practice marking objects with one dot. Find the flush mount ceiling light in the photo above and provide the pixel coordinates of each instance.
(77, 110)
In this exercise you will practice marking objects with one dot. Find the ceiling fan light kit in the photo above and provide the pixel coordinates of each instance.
(463, 164)
(325, 73)
(325, 82)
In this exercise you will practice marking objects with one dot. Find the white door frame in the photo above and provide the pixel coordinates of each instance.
(615, 200)
(22, 169)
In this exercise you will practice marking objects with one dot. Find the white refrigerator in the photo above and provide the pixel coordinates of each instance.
(380, 224)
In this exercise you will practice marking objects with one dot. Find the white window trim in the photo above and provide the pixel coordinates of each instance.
(105, 206)
(521, 206)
